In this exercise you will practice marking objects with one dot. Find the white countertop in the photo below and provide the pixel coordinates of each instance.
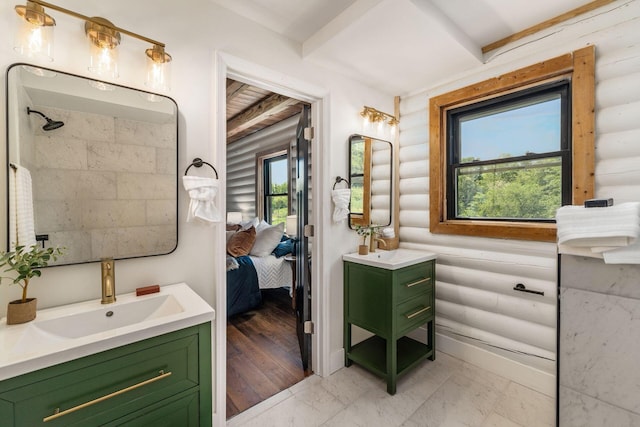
(26, 347)
(390, 260)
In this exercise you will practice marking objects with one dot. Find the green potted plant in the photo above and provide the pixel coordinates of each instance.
(24, 264)
(365, 231)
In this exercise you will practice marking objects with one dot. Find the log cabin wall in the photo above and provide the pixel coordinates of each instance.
(241, 163)
(479, 316)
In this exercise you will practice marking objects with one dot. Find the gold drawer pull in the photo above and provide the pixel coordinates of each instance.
(426, 279)
(58, 414)
(412, 315)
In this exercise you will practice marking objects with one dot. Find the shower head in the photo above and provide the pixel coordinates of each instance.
(51, 124)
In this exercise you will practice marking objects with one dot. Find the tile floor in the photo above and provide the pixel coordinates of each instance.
(447, 392)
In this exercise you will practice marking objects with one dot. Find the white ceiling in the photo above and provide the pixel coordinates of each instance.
(397, 45)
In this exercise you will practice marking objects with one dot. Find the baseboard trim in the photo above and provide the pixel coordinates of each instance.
(336, 361)
(517, 372)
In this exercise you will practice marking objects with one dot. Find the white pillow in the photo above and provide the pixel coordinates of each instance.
(251, 223)
(263, 224)
(266, 240)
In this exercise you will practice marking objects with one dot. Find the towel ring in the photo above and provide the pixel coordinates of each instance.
(198, 162)
(338, 180)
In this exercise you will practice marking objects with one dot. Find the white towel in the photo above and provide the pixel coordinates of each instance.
(202, 192)
(613, 226)
(626, 255)
(341, 198)
(21, 223)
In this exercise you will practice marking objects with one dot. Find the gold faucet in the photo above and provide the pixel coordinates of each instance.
(372, 243)
(108, 281)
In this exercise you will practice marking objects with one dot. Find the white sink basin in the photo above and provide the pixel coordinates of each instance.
(108, 317)
(390, 260)
(72, 331)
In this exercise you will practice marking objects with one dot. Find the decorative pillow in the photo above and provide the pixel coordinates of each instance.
(230, 234)
(285, 247)
(245, 225)
(241, 242)
(266, 240)
(233, 227)
(262, 225)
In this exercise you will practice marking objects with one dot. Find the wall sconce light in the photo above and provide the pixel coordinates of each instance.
(104, 38)
(379, 122)
(34, 38)
(103, 47)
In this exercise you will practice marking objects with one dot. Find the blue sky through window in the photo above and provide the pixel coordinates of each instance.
(533, 128)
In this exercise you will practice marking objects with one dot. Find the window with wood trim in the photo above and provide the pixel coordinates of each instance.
(273, 187)
(491, 176)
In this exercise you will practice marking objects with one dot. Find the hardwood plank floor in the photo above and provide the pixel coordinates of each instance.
(263, 356)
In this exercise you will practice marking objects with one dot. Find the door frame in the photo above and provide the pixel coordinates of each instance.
(228, 66)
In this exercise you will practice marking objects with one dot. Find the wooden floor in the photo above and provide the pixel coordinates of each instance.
(263, 356)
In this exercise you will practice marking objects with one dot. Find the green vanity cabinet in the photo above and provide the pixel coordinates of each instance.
(390, 304)
(164, 380)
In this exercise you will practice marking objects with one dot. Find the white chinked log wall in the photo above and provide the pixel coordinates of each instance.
(479, 317)
(241, 163)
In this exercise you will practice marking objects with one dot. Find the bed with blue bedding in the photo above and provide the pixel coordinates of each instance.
(243, 289)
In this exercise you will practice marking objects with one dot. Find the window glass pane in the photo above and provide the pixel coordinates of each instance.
(357, 157)
(277, 176)
(530, 189)
(510, 130)
(357, 194)
(277, 206)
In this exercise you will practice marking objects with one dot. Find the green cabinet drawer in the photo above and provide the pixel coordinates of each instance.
(413, 313)
(179, 411)
(414, 280)
(97, 389)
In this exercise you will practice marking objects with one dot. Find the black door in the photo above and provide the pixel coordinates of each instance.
(303, 276)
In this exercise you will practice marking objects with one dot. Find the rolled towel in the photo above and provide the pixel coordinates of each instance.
(341, 198)
(202, 192)
(614, 226)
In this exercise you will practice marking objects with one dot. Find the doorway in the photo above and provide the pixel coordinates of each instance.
(265, 333)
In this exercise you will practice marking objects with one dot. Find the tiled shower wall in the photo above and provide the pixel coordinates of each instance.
(599, 343)
(104, 186)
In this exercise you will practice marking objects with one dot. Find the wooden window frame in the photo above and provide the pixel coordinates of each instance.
(579, 66)
(260, 190)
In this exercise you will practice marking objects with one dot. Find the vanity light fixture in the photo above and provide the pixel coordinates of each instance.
(381, 120)
(35, 32)
(104, 38)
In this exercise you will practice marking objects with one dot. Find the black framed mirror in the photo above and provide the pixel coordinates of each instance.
(370, 176)
(103, 163)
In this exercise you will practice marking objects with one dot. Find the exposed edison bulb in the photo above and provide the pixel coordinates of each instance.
(103, 61)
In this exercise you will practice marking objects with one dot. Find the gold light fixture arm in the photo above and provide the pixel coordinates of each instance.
(97, 22)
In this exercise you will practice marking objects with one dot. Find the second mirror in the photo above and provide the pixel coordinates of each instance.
(370, 175)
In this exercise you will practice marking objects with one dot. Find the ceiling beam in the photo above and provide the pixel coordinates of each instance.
(458, 34)
(337, 25)
(273, 104)
(234, 89)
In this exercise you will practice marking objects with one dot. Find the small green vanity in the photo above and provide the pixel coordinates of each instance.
(389, 294)
(164, 378)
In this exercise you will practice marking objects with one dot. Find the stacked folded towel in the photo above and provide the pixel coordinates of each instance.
(612, 231)
(613, 226)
